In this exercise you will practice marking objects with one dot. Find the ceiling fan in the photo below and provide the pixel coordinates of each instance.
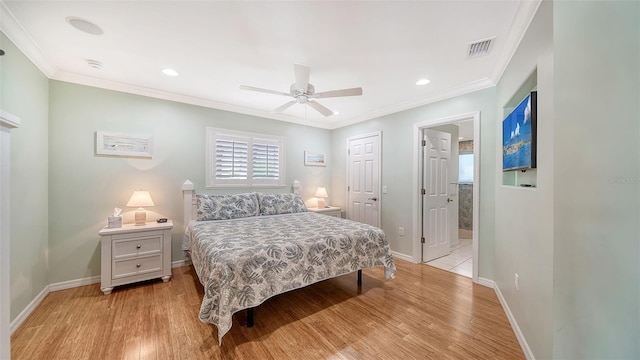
(305, 93)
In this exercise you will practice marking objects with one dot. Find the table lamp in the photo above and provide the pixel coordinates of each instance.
(140, 199)
(321, 194)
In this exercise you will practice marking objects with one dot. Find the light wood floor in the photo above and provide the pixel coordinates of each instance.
(424, 313)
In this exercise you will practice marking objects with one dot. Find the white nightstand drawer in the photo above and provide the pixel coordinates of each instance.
(137, 266)
(135, 253)
(330, 211)
(143, 245)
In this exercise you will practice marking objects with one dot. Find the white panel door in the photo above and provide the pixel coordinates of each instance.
(436, 200)
(363, 194)
(7, 122)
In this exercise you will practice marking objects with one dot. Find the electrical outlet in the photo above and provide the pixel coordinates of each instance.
(401, 231)
(517, 281)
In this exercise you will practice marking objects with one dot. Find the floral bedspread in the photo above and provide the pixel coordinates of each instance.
(243, 262)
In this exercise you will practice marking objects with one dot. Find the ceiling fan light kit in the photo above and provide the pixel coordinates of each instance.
(304, 93)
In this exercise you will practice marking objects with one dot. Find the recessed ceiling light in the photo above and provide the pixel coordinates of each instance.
(170, 72)
(422, 82)
(336, 113)
(84, 25)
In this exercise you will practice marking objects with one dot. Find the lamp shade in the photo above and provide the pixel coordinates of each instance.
(322, 193)
(140, 198)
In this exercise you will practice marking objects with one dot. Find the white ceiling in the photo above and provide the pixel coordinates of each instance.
(382, 46)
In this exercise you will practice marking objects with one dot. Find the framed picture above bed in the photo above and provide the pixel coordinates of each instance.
(314, 159)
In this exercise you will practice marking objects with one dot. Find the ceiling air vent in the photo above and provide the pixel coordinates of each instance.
(480, 47)
(94, 64)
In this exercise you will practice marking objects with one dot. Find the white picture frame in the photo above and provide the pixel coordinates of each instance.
(121, 144)
(312, 158)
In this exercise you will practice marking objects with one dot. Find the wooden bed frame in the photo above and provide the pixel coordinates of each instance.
(190, 213)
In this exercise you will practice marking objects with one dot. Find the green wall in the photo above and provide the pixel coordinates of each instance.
(524, 217)
(397, 167)
(24, 92)
(597, 180)
(84, 188)
(573, 240)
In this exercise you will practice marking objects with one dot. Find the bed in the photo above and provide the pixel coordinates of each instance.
(246, 248)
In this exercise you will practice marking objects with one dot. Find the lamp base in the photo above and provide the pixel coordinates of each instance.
(322, 203)
(141, 217)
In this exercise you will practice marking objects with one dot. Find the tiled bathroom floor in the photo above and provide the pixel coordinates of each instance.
(459, 261)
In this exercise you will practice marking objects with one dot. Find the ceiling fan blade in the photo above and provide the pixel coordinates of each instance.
(320, 108)
(302, 76)
(251, 88)
(285, 106)
(338, 93)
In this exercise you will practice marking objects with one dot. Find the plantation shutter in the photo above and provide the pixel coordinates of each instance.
(231, 159)
(266, 161)
(239, 159)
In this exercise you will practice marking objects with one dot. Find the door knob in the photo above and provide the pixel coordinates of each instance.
(374, 198)
(449, 200)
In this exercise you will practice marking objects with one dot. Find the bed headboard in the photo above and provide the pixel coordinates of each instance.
(189, 201)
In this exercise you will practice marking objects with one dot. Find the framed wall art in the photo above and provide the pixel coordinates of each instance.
(314, 159)
(119, 144)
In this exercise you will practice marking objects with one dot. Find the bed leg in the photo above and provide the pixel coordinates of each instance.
(360, 277)
(250, 317)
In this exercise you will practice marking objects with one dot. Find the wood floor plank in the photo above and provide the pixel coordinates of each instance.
(424, 313)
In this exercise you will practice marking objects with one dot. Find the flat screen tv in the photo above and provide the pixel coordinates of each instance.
(519, 136)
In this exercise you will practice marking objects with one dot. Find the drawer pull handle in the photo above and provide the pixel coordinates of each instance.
(137, 265)
(138, 246)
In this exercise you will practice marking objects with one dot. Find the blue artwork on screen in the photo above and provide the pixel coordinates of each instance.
(519, 136)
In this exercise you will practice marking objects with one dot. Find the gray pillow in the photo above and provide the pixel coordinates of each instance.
(224, 207)
(275, 204)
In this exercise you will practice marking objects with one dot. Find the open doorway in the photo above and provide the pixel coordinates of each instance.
(462, 194)
(459, 258)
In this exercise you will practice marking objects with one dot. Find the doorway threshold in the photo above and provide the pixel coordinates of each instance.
(459, 260)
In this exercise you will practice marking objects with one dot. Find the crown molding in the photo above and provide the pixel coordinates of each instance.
(181, 98)
(524, 16)
(192, 100)
(467, 88)
(9, 120)
(23, 41)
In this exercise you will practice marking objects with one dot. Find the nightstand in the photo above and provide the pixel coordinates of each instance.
(330, 210)
(135, 253)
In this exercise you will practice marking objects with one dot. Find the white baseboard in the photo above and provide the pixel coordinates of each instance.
(486, 282)
(179, 263)
(15, 324)
(402, 256)
(514, 324)
(74, 283)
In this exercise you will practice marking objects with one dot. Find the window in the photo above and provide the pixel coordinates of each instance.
(237, 158)
(465, 165)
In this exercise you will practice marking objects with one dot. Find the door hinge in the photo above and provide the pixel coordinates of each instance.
(348, 151)
(422, 239)
(348, 188)
(424, 142)
(424, 191)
